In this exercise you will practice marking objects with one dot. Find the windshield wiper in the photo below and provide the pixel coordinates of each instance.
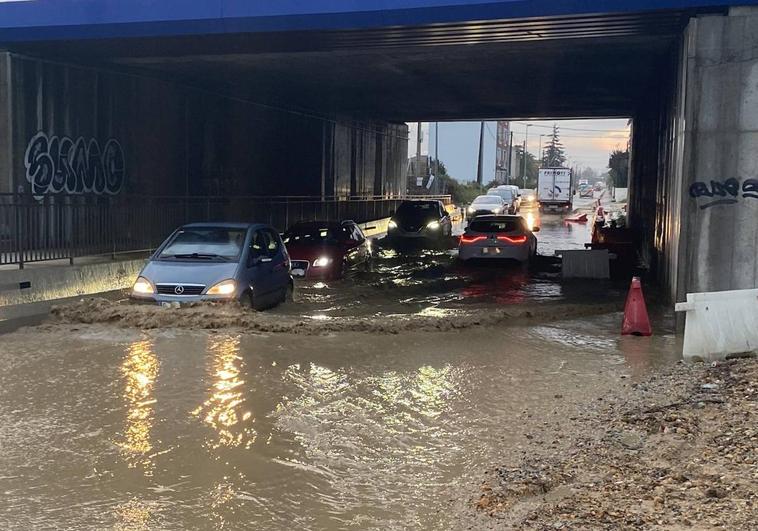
(201, 256)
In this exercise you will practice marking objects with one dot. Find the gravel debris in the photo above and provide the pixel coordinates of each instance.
(676, 451)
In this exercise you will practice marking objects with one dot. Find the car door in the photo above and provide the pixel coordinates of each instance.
(348, 243)
(361, 246)
(259, 267)
(445, 222)
(280, 262)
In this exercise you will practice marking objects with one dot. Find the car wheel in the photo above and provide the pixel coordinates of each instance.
(247, 301)
(289, 293)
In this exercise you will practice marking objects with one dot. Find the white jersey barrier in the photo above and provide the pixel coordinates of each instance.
(720, 323)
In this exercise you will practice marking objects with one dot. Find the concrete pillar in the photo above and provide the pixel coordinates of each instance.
(718, 247)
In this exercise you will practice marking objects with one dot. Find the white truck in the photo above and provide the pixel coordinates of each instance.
(555, 189)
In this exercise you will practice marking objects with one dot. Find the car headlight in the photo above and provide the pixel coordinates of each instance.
(433, 225)
(143, 287)
(497, 210)
(322, 261)
(225, 287)
(471, 210)
(391, 225)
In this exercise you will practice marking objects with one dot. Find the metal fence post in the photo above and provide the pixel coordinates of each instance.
(19, 246)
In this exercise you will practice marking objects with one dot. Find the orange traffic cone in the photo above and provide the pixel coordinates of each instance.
(636, 321)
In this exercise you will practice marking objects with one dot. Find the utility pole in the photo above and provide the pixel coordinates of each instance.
(509, 173)
(526, 146)
(418, 154)
(436, 150)
(479, 168)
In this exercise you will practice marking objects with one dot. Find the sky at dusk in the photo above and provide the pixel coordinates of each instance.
(587, 143)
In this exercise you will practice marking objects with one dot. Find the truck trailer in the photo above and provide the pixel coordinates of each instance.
(555, 189)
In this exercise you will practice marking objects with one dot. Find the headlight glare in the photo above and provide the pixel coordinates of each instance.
(322, 261)
(392, 225)
(143, 287)
(225, 288)
(433, 225)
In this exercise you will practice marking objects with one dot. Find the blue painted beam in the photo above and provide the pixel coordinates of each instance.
(39, 20)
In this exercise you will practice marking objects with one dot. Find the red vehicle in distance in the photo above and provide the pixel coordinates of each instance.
(326, 249)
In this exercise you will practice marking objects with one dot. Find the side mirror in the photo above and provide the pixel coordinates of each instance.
(535, 229)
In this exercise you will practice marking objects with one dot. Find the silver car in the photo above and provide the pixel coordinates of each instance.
(218, 261)
(498, 237)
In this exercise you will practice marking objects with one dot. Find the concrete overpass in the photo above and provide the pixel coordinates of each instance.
(246, 97)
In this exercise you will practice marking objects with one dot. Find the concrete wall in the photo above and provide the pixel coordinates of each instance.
(48, 282)
(166, 138)
(694, 179)
(719, 222)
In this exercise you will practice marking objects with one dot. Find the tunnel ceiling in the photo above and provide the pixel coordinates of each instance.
(527, 68)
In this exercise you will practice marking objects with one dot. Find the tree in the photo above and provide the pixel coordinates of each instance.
(554, 155)
(462, 193)
(618, 165)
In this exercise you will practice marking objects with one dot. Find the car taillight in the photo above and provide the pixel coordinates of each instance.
(472, 239)
(516, 239)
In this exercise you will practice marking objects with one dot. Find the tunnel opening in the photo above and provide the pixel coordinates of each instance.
(322, 114)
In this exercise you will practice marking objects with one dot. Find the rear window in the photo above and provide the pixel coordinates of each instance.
(510, 225)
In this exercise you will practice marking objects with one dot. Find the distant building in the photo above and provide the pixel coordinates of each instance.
(505, 154)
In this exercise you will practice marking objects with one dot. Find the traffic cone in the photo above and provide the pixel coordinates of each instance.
(636, 321)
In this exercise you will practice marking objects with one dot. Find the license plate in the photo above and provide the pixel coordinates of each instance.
(490, 250)
(298, 272)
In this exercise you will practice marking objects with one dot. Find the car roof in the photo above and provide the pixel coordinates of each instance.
(321, 224)
(487, 196)
(224, 225)
(418, 201)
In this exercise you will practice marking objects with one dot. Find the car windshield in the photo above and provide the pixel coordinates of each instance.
(313, 233)
(488, 200)
(505, 194)
(417, 207)
(205, 243)
(485, 225)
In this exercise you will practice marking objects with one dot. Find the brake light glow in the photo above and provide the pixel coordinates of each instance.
(472, 239)
(516, 239)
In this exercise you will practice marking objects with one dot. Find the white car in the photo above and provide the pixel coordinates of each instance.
(486, 205)
(498, 237)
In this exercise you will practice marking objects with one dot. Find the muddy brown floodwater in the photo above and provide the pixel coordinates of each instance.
(376, 402)
(112, 427)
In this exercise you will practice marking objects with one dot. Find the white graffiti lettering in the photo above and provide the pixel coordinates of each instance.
(55, 165)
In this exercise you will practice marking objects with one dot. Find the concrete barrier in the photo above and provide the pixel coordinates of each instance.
(719, 324)
(585, 264)
(53, 281)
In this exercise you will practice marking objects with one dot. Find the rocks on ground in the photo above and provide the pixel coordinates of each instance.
(677, 451)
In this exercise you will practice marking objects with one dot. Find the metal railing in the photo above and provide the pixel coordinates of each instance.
(67, 227)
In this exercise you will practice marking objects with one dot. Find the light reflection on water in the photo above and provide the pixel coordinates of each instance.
(225, 409)
(283, 432)
(139, 370)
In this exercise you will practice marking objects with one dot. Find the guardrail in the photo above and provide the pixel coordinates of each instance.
(66, 227)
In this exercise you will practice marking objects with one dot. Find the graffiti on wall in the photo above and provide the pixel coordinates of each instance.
(62, 164)
(724, 192)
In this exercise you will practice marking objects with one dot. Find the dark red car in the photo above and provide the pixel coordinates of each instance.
(326, 249)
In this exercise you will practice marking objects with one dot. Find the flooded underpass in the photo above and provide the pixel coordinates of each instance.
(163, 423)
